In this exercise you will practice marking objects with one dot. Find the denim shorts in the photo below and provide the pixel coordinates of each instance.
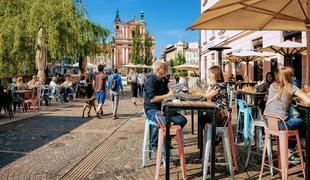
(100, 97)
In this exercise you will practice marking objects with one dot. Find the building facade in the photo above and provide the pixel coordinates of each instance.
(249, 40)
(187, 49)
(123, 34)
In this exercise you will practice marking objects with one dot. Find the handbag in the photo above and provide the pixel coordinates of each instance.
(293, 112)
(222, 117)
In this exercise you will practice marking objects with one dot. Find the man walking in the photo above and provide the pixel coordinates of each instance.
(99, 84)
(115, 87)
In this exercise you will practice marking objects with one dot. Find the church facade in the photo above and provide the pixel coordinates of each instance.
(123, 35)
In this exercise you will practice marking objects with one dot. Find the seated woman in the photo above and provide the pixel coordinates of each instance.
(20, 84)
(279, 99)
(264, 87)
(34, 82)
(217, 93)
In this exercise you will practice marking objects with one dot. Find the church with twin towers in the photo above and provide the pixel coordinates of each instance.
(123, 34)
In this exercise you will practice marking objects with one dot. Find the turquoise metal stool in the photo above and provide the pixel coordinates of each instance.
(148, 130)
(244, 110)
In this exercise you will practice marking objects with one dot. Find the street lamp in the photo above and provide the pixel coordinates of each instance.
(113, 46)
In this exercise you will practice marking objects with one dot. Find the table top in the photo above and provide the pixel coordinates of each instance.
(251, 93)
(191, 104)
(23, 91)
(245, 82)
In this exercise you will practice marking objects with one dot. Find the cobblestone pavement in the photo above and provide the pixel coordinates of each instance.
(59, 144)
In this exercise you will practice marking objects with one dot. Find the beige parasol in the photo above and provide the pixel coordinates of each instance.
(249, 56)
(189, 67)
(41, 56)
(286, 49)
(264, 15)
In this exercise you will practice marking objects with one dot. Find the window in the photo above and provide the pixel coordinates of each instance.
(292, 36)
(133, 33)
(213, 56)
(257, 43)
(117, 27)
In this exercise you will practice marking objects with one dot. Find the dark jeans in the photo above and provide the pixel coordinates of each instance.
(176, 118)
(65, 92)
(141, 89)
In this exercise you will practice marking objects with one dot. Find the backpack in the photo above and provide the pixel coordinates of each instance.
(113, 84)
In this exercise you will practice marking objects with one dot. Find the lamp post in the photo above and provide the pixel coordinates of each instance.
(113, 46)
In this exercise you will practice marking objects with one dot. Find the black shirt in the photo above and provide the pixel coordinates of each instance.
(154, 87)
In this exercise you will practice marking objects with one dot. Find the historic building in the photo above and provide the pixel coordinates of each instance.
(187, 49)
(123, 36)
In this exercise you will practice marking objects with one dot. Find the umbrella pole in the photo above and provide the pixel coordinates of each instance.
(247, 71)
(307, 84)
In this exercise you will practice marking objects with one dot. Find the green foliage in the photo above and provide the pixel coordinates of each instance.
(148, 45)
(67, 33)
(136, 46)
(142, 48)
(179, 60)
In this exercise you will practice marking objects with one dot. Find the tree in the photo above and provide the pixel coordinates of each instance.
(148, 45)
(179, 60)
(136, 46)
(20, 21)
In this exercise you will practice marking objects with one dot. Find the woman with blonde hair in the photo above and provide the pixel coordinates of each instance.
(20, 84)
(280, 96)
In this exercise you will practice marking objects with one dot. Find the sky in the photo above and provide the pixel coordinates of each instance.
(166, 19)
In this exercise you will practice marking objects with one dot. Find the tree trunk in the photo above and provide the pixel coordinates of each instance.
(83, 66)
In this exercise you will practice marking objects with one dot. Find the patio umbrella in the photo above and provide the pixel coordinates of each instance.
(232, 59)
(41, 56)
(144, 66)
(189, 67)
(248, 56)
(291, 15)
(89, 65)
(286, 49)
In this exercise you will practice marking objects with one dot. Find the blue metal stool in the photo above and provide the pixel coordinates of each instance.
(148, 129)
(244, 110)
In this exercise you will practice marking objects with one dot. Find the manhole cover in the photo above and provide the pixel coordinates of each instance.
(56, 145)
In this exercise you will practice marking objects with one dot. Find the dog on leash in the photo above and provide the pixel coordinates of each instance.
(90, 103)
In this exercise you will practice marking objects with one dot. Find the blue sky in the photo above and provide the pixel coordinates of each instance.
(166, 20)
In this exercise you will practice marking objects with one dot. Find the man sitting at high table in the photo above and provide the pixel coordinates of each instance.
(156, 90)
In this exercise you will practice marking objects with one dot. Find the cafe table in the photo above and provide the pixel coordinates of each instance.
(202, 106)
(304, 110)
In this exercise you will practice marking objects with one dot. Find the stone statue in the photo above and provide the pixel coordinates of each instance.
(41, 56)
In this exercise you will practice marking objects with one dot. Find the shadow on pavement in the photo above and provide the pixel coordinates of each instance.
(21, 137)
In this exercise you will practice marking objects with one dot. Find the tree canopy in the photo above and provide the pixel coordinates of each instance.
(142, 46)
(67, 33)
(178, 60)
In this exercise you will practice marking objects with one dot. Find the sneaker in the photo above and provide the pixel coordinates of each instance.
(154, 148)
(115, 117)
(101, 113)
(293, 159)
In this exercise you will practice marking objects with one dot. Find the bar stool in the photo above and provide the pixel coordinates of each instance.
(272, 129)
(229, 147)
(244, 110)
(175, 131)
(148, 130)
